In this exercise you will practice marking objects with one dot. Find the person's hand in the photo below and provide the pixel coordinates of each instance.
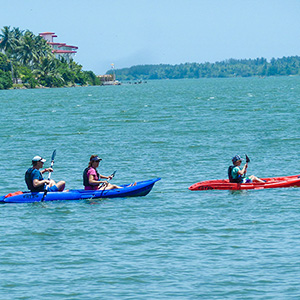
(49, 170)
(47, 181)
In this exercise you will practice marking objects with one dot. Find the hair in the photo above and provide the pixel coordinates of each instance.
(34, 163)
(92, 156)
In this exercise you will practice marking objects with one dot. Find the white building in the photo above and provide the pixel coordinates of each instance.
(59, 49)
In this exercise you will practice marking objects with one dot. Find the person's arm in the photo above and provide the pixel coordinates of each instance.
(36, 183)
(47, 170)
(244, 170)
(92, 180)
(37, 179)
(105, 177)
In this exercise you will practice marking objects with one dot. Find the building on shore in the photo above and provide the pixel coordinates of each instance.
(60, 50)
(108, 79)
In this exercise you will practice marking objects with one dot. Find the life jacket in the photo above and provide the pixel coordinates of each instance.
(86, 179)
(29, 182)
(13, 194)
(234, 180)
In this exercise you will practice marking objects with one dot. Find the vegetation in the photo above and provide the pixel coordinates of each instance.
(29, 58)
(227, 68)
(5, 74)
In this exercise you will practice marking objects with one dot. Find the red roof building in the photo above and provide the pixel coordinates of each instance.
(59, 49)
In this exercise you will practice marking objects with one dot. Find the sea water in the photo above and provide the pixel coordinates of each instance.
(173, 243)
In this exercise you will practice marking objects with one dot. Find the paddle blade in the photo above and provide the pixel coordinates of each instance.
(45, 194)
(247, 158)
(113, 174)
(53, 155)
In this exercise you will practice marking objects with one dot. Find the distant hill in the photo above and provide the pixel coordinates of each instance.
(227, 68)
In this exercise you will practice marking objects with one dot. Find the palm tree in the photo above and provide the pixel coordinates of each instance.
(8, 44)
(26, 50)
(17, 33)
(47, 71)
(32, 49)
(42, 49)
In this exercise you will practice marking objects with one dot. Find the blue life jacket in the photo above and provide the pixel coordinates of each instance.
(86, 179)
(29, 182)
(234, 180)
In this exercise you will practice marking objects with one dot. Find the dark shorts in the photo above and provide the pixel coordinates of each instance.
(53, 188)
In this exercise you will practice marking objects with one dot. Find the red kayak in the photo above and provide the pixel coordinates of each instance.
(224, 184)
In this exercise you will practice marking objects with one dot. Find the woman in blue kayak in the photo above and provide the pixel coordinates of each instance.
(92, 179)
(35, 181)
(237, 174)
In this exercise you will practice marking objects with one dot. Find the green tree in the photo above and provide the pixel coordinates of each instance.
(8, 41)
(8, 44)
(27, 49)
(5, 80)
(27, 77)
(42, 49)
(30, 58)
(4, 63)
(48, 73)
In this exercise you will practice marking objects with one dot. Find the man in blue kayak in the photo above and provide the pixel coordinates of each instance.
(35, 181)
(237, 174)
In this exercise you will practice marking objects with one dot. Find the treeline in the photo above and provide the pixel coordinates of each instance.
(223, 69)
(27, 58)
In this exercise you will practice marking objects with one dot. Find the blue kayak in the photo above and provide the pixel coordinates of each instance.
(141, 188)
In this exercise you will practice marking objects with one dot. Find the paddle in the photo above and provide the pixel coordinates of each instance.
(112, 176)
(247, 161)
(51, 166)
(247, 158)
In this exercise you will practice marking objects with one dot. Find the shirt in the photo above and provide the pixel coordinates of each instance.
(92, 171)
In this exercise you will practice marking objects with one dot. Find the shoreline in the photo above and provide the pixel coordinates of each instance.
(23, 87)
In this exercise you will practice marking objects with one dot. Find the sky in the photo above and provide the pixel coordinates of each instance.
(139, 32)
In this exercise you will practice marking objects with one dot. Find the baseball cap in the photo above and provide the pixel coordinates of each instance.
(236, 158)
(96, 158)
(38, 158)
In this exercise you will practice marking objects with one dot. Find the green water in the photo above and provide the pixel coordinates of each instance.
(173, 243)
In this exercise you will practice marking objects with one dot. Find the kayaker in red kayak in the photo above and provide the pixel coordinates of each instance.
(35, 181)
(237, 174)
(91, 178)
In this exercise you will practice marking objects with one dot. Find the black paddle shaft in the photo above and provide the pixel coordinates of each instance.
(112, 175)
